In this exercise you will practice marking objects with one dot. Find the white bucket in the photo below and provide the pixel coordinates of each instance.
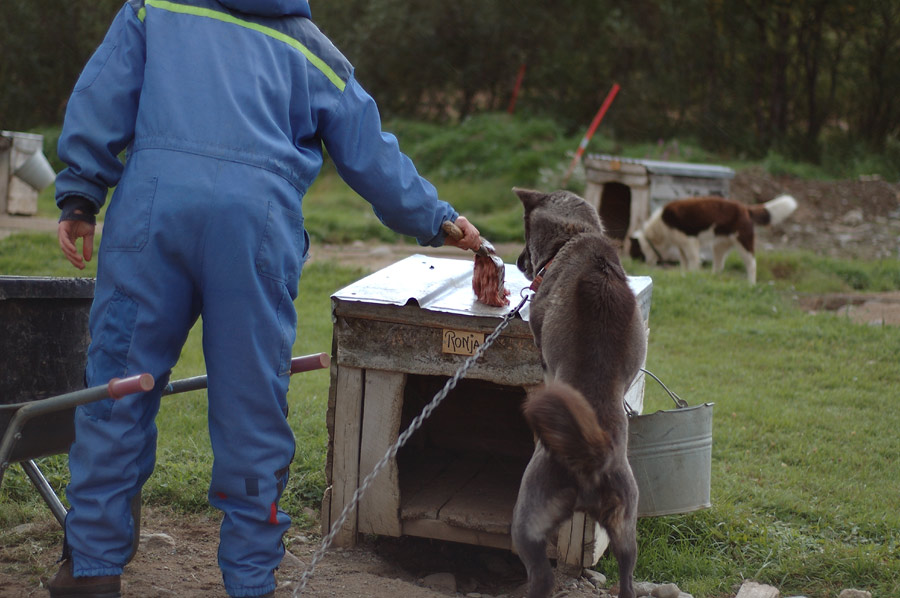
(36, 171)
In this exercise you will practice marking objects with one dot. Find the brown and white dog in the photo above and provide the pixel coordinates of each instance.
(687, 224)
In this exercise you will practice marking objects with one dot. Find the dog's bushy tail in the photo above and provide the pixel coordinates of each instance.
(567, 426)
(774, 211)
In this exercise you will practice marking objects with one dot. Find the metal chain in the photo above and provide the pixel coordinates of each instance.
(404, 437)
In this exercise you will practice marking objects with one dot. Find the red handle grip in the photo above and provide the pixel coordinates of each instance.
(306, 363)
(119, 387)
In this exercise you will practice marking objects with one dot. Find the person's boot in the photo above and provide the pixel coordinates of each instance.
(66, 585)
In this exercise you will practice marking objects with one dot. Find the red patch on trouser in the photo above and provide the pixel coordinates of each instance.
(273, 514)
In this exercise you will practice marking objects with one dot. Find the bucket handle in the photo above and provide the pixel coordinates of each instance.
(679, 402)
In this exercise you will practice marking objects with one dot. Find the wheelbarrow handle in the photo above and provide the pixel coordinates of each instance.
(306, 363)
(116, 389)
(120, 387)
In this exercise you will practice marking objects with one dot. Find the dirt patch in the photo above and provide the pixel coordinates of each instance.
(874, 309)
(177, 557)
(845, 219)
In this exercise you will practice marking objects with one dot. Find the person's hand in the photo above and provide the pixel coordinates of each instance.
(68, 232)
(471, 237)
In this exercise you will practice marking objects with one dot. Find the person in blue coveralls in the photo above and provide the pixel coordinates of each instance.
(224, 108)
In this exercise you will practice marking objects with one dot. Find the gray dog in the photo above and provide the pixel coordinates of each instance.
(587, 325)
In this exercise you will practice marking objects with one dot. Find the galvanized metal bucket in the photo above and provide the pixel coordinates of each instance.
(670, 453)
(36, 171)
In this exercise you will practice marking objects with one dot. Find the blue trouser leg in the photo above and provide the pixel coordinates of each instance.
(249, 327)
(139, 322)
(252, 442)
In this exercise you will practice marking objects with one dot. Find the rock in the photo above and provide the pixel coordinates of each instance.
(24, 529)
(666, 590)
(291, 561)
(157, 541)
(597, 579)
(853, 218)
(643, 588)
(751, 589)
(849, 593)
(440, 582)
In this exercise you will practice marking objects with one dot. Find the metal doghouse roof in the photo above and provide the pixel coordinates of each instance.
(669, 168)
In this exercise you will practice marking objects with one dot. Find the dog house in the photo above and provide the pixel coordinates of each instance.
(626, 191)
(24, 172)
(399, 335)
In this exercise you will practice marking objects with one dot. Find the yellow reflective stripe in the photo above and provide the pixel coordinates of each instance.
(274, 34)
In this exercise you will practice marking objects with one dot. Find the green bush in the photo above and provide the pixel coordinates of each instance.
(485, 146)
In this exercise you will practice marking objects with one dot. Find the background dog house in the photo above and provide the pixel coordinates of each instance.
(399, 334)
(24, 172)
(626, 191)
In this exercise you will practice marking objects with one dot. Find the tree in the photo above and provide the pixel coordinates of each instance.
(44, 44)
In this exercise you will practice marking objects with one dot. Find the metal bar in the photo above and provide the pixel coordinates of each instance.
(305, 363)
(45, 490)
(185, 385)
(117, 388)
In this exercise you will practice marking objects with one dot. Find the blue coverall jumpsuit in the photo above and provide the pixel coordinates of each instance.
(223, 108)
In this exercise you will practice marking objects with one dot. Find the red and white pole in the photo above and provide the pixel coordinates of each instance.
(590, 132)
(518, 85)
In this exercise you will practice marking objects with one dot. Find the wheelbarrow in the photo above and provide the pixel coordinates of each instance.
(42, 353)
(115, 389)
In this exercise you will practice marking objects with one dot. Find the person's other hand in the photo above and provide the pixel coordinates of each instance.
(471, 237)
(68, 232)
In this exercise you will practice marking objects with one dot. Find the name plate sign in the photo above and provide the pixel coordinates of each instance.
(461, 342)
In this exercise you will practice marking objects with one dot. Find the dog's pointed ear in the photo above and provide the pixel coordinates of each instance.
(528, 197)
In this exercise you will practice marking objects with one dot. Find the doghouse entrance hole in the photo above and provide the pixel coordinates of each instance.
(462, 469)
(615, 209)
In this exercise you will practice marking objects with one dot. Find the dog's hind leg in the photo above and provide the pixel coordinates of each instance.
(623, 545)
(546, 499)
(749, 263)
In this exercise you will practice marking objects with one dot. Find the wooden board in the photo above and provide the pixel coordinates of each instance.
(486, 502)
(477, 494)
(432, 528)
(415, 349)
(345, 460)
(379, 507)
(429, 484)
